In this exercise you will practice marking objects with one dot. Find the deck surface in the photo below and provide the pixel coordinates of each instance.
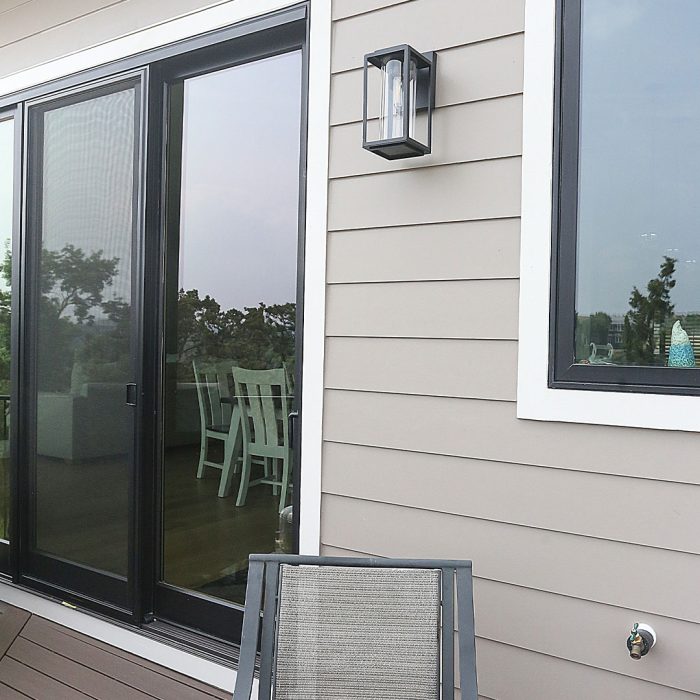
(40, 660)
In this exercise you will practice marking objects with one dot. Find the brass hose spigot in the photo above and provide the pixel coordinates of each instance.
(641, 640)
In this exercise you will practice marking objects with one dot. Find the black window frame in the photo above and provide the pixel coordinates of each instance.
(564, 373)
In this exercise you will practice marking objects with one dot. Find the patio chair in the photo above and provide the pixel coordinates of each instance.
(219, 417)
(336, 628)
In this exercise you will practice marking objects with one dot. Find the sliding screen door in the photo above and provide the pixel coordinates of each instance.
(82, 223)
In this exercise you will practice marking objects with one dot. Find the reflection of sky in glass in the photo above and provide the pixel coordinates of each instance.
(640, 151)
(88, 181)
(240, 183)
(6, 179)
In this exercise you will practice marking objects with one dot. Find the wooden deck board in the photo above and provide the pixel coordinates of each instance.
(145, 663)
(41, 659)
(12, 620)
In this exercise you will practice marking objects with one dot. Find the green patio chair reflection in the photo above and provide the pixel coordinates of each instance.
(219, 416)
(264, 405)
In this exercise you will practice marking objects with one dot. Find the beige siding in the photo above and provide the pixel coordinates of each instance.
(488, 189)
(38, 31)
(453, 251)
(427, 309)
(488, 69)
(424, 455)
(577, 566)
(425, 24)
(429, 366)
(350, 8)
(497, 121)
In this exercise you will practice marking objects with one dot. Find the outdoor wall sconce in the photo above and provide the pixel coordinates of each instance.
(406, 87)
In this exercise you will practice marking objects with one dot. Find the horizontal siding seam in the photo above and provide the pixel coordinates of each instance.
(585, 665)
(559, 594)
(526, 526)
(443, 50)
(14, 7)
(357, 390)
(422, 223)
(508, 339)
(506, 461)
(60, 24)
(428, 166)
(456, 164)
(451, 340)
(369, 12)
(424, 279)
(446, 105)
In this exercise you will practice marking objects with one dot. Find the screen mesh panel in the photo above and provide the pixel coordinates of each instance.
(358, 634)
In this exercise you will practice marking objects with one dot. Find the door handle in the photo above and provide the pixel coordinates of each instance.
(292, 419)
(131, 395)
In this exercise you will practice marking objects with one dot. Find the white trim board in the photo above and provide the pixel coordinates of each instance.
(208, 19)
(536, 400)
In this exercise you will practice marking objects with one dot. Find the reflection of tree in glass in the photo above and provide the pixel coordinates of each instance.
(259, 337)
(648, 314)
(5, 305)
(72, 286)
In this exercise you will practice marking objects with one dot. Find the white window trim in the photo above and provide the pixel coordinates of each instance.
(536, 401)
(183, 27)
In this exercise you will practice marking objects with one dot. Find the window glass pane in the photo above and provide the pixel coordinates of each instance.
(7, 128)
(231, 274)
(638, 258)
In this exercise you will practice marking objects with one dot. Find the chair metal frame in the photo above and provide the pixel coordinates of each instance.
(262, 600)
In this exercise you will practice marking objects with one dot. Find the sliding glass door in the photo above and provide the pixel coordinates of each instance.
(150, 315)
(232, 194)
(81, 340)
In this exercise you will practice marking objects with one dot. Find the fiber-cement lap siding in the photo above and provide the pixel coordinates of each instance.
(423, 453)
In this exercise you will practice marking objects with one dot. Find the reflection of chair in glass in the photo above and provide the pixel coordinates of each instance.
(219, 418)
(264, 406)
(601, 354)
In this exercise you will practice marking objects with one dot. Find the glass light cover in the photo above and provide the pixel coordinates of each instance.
(391, 107)
(391, 110)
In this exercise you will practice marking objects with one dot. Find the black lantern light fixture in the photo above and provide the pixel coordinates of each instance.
(405, 88)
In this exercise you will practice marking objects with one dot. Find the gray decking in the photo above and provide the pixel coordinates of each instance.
(40, 660)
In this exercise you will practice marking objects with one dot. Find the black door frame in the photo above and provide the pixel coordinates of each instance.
(8, 558)
(285, 30)
(191, 609)
(73, 582)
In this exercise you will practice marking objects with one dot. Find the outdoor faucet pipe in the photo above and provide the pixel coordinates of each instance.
(641, 640)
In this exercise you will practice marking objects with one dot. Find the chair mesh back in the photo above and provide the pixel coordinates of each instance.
(358, 633)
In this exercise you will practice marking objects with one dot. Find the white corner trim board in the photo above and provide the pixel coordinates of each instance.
(536, 400)
(207, 19)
